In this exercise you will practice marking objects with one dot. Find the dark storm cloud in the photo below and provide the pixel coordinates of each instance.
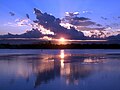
(50, 22)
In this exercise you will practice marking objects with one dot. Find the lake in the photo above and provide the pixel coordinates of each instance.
(59, 69)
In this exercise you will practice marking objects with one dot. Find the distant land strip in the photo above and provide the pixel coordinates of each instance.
(59, 46)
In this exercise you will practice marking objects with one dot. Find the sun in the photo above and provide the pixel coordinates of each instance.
(62, 39)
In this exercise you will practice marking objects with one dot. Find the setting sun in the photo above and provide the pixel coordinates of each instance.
(62, 39)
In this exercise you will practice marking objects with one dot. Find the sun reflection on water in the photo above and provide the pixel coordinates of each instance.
(62, 56)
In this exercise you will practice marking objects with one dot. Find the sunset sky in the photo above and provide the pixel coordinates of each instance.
(105, 12)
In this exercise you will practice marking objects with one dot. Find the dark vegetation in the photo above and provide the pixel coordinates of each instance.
(56, 46)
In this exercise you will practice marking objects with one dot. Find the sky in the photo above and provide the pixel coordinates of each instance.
(97, 10)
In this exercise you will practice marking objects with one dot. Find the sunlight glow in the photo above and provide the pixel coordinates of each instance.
(62, 39)
(43, 30)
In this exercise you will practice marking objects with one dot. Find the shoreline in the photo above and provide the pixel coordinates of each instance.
(61, 46)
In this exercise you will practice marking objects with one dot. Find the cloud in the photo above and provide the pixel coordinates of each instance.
(73, 19)
(88, 12)
(53, 24)
(118, 16)
(19, 23)
(72, 14)
(116, 37)
(85, 23)
(23, 22)
(81, 18)
(99, 25)
(71, 26)
(12, 14)
(10, 24)
(27, 15)
(87, 26)
(104, 18)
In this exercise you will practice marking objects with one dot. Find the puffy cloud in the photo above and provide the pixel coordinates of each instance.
(71, 14)
(43, 30)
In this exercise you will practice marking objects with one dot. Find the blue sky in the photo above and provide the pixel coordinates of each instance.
(97, 9)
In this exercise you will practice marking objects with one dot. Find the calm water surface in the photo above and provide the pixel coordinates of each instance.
(59, 69)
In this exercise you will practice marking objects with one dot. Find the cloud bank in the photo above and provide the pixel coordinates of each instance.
(70, 27)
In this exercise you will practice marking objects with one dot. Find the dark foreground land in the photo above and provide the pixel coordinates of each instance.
(56, 46)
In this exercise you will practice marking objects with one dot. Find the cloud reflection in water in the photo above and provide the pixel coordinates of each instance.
(45, 68)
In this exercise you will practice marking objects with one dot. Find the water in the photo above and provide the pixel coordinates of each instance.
(59, 69)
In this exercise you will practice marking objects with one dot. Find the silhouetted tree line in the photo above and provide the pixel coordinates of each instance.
(62, 46)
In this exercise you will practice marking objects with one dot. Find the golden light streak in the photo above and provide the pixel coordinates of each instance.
(62, 63)
(62, 56)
